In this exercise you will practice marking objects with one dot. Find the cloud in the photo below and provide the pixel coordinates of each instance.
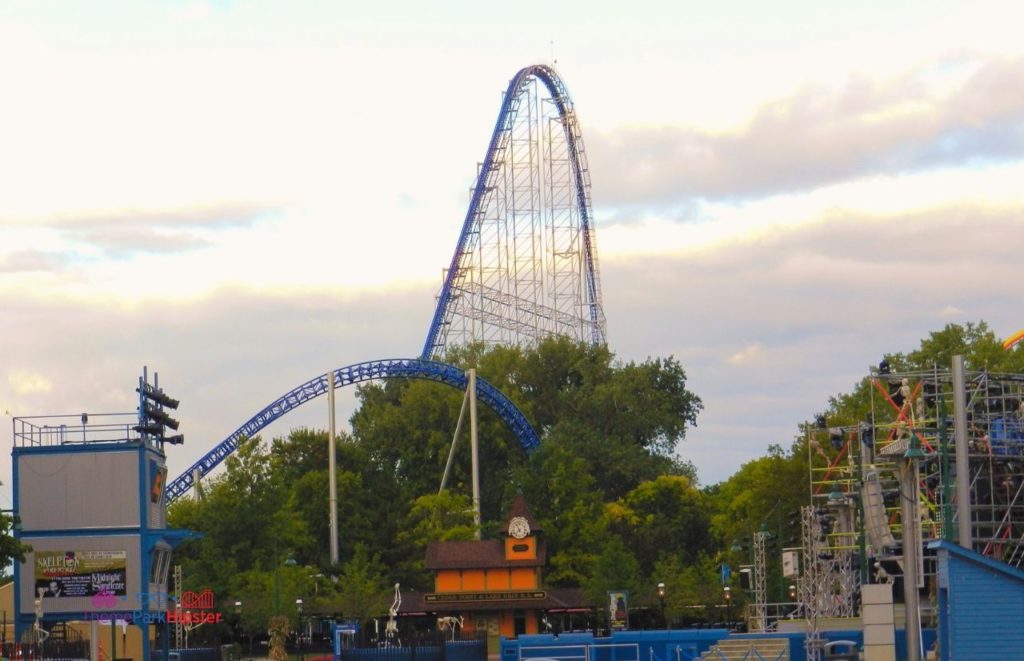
(819, 136)
(824, 301)
(157, 231)
(748, 354)
(31, 260)
(24, 382)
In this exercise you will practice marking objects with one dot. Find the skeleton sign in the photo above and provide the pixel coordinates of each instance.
(450, 623)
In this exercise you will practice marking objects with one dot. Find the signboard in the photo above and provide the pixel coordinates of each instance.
(790, 563)
(80, 573)
(436, 598)
(618, 610)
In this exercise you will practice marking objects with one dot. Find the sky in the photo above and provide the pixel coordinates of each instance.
(243, 195)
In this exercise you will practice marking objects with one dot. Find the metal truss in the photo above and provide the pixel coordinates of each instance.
(407, 368)
(525, 265)
(759, 621)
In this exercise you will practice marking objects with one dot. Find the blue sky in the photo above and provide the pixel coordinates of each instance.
(245, 194)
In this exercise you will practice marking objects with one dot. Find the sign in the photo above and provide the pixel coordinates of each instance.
(618, 610)
(436, 598)
(790, 563)
(157, 481)
(80, 573)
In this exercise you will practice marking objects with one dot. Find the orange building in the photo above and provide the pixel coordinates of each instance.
(495, 585)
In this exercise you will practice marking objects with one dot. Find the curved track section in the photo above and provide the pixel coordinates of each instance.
(407, 368)
(519, 312)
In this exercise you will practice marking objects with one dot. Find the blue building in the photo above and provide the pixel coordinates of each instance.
(89, 495)
(981, 606)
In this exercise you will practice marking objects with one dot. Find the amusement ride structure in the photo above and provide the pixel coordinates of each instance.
(525, 265)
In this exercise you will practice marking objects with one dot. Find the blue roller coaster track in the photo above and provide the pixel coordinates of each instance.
(405, 368)
(487, 181)
(424, 368)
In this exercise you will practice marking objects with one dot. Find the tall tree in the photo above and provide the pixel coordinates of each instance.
(666, 516)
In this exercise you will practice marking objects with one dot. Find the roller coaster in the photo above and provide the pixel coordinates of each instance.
(525, 265)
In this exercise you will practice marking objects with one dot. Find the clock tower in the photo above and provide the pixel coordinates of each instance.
(520, 532)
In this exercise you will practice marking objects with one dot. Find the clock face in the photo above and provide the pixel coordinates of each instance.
(518, 527)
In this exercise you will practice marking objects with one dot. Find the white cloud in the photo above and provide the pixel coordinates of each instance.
(749, 354)
(25, 382)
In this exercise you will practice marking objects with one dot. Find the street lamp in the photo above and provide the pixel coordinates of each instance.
(238, 617)
(792, 592)
(661, 598)
(727, 595)
(298, 607)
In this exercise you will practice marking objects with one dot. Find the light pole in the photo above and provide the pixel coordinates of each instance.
(298, 607)
(661, 598)
(238, 616)
(727, 594)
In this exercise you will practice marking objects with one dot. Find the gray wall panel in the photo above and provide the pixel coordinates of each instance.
(78, 490)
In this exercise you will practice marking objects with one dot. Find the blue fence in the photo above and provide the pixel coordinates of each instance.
(673, 645)
(459, 650)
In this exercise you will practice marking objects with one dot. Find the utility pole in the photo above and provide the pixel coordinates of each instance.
(475, 451)
(332, 470)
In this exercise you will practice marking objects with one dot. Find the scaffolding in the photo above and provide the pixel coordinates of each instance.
(855, 490)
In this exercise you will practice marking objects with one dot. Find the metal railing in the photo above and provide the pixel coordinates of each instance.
(50, 430)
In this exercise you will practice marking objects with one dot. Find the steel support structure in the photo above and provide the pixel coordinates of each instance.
(525, 265)
(759, 619)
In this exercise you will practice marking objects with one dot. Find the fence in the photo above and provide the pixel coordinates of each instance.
(459, 650)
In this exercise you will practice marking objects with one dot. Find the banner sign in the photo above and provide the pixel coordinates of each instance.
(80, 573)
(618, 610)
(434, 597)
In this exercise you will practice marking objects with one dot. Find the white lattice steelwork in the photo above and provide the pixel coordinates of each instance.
(526, 265)
(812, 595)
(759, 617)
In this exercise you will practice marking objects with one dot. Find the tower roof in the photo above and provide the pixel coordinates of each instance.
(518, 507)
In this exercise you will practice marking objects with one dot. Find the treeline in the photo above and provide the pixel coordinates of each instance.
(617, 507)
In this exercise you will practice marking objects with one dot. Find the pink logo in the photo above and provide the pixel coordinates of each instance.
(104, 599)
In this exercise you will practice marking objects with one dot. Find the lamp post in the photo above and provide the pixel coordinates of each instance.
(238, 616)
(661, 599)
(727, 595)
(298, 607)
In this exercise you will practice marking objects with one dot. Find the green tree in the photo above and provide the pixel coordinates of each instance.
(362, 590)
(692, 589)
(11, 549)
(433, 518)
(615, 569)
(666, 516)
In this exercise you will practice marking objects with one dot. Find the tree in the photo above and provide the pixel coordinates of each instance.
(666, 516)
(434, 518)
(362, 590)
(11, 549)
(691, 588)
(616, 569)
